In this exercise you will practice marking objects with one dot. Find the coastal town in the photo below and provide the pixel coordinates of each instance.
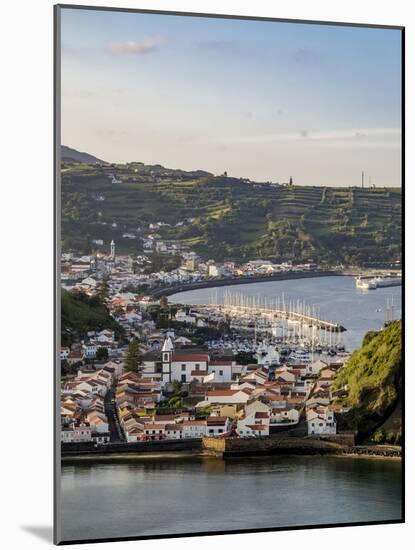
(172, 372)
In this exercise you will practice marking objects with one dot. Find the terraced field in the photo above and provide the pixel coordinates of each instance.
(227, 218)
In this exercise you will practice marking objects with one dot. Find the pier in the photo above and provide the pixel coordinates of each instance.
(273, 309)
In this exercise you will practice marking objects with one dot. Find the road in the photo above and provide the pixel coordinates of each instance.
(116, 433)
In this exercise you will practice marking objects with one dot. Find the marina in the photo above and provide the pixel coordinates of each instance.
(335, 300)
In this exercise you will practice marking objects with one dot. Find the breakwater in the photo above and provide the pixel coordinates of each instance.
(171, 446)
(230, 281)
(264, 446)
(341, 445)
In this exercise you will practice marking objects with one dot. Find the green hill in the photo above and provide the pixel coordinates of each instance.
(229, 218)
(81, 314)
(72, 155)
(373, 379)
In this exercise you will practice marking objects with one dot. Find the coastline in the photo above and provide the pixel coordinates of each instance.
(367, 452)
(231, 281)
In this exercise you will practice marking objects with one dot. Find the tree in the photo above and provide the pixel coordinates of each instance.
(177, 386)
(133, 359)
(102, 291)
(102, 354)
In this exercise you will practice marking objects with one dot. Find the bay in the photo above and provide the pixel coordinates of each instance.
(337, 298)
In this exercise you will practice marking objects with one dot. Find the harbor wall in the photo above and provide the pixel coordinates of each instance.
(264, 446)
(268, 446)
(76, 449)
(229, 281)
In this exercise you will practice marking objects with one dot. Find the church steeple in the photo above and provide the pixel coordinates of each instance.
(166, 359)
(112, 250)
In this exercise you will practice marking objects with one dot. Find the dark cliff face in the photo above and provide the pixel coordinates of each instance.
(373, 378)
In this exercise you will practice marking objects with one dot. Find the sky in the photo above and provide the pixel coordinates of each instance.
(259, 99)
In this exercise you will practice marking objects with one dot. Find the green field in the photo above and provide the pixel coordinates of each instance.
(233, 218)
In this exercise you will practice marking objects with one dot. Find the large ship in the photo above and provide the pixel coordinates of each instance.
(367, 283)
(382, 282)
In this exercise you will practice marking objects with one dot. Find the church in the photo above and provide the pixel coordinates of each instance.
(188, 365)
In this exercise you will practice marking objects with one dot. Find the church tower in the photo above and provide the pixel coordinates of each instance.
(112, 251)
(166, 359)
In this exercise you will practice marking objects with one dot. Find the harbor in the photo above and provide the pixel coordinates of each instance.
(335, 299)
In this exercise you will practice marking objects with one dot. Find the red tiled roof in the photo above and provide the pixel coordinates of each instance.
(190, 357)
(216, 420)
(225, 393)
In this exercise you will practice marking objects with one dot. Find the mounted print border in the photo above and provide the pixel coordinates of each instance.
(225, 330)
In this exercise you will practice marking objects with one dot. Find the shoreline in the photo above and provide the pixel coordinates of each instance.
(174, 455)
(232, 281)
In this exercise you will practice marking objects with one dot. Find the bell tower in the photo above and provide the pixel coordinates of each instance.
(166, 359)
(112, 250)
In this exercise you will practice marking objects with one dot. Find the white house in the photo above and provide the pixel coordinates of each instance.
(320, 421)
(217, 397)
(222, 369)
(182, 317)
(217, 425)
(255, 424)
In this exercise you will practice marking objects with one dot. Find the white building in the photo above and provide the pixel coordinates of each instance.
(320, 421)
(178, 365)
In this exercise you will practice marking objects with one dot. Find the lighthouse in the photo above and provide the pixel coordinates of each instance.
(112, 251)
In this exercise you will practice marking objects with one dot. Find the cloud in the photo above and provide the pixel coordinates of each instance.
(361, 137)
(145, 46)
(220, 45)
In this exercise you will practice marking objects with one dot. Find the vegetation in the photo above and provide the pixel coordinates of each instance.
(82, 313)
(133, 359)
(102, 354)
(372, 379)
(229, 218)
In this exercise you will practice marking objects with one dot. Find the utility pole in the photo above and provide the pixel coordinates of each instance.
(363, 179)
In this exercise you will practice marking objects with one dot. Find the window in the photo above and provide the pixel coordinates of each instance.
(197, 366)
(183, 367)
(221, 373)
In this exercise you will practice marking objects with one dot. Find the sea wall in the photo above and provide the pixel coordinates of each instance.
(229, 281)
(267, 446)
(76, 449)
(343, 445)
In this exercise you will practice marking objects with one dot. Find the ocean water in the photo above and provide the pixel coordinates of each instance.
(177, 495)
(337, 299)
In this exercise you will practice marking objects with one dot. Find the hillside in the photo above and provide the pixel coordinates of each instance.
(72, 155)
(373, 376)
(228, 218)
(81, 314)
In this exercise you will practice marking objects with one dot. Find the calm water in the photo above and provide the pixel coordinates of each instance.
(337, 297)
(155, 496)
